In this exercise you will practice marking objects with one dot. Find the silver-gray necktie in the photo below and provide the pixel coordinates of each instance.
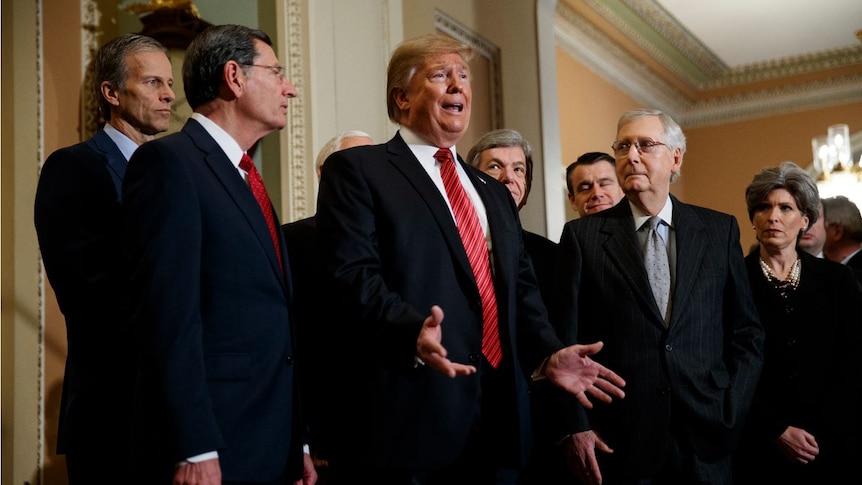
(657, 267)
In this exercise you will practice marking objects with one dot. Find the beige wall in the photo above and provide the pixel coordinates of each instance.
(511, 27)
(720, 160)
(47, 117)
(588, 108)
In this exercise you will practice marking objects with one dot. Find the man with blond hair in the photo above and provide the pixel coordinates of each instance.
(436, 340)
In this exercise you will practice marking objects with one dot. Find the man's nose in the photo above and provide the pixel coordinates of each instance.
(169, 95)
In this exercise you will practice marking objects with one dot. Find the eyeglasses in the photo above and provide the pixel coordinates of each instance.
(643, 147)
(276, 70)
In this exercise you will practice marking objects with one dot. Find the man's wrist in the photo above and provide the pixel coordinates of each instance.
(211, 455)
(539, 373)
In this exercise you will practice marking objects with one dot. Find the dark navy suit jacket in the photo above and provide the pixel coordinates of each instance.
(211, 311)
(77, 217)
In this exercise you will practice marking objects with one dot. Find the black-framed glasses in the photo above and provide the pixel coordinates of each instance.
(647, 147)
(276, 69)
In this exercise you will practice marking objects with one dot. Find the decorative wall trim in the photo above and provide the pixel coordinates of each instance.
(786, 99)
(578, 38)
(687, 57)
(293, 139)
(91, 119)
(679, 37)
(705, 63)
(483, 47)
(585, 43)
(40, 157)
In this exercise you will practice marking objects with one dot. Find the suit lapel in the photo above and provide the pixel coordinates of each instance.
(690, 251)
(238, 190)
(621, 247)
(403, 160)
(116, 162)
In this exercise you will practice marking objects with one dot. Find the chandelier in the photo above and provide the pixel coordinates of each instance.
(837, 173)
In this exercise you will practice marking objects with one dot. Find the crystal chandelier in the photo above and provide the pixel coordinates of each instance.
(836, 171)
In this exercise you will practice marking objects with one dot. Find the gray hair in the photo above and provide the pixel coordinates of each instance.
(110, 65)
(209, 52)
(787, 176)
(673, 135)
(842, 211)
(334, 144)
(502, 139)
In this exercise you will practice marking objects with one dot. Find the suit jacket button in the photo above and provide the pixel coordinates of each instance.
(473, 358)
(668, 347)
(289, 360)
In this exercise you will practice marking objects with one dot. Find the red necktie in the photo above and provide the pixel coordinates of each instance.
(477, 252)
(262, 197)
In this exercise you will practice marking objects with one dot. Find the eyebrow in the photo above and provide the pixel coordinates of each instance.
(594, 181)
(446, 65)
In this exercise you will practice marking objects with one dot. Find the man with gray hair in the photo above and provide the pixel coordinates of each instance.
(77, 217)
(843, 231)
(313, 296)
(508, 157)
(341, 141)
(664, 285)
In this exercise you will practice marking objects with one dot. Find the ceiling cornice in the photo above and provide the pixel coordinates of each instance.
(693, 84)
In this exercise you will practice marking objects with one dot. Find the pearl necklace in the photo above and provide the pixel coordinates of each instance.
(783, 286)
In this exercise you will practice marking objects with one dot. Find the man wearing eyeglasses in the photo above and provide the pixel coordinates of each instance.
(210, 289)
(691, 363)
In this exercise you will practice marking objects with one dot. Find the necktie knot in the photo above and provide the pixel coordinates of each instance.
(246, 163)
(444, 155)
(654, 223)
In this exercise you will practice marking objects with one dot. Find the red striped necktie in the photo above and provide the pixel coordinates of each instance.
(259, 191)
(473, 238)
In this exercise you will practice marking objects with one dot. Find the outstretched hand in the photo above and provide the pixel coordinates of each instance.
(431, 351)
(572, 369)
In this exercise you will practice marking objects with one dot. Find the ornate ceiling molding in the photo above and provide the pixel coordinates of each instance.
(785, 99)
(586, 44)
(657, 33)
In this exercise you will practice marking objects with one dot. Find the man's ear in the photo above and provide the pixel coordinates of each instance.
(110, 93)
(677, 160)
(400, 96)
(234, 78)
(839, 231)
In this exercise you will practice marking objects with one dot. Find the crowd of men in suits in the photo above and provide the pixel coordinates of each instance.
(367, 332)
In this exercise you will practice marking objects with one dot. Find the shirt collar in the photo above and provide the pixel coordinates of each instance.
(665, 214)
(420, 147)
(226, 142)
(849, 256)
(124, 143)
